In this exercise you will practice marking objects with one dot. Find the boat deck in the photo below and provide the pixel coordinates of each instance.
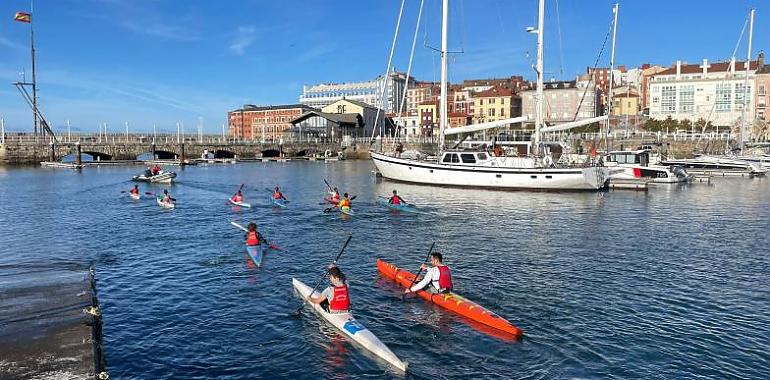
(45, 329)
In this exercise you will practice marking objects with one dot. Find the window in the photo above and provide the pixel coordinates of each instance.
(450, 157)
(668, 99)
(502, 111)
(762, 90)
(740, 94)
(481, 156)
(468, 158)
(686, 98)
(723, 97)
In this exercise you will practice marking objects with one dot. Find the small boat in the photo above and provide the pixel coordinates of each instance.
(704, 164)
(450, 301)
(169, 205)
(348, 324)
(402, 207)
(278, 202)
(636, 165)
(255, 253)
(240, 204)
(163, 177)
(135, 197)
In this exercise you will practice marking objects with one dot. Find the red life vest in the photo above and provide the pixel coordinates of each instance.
(237, 198)
(336, 197)
(396, 200)
(252, 239)
(277, 195)
(444, 278)
(134, 191)
(340, 300)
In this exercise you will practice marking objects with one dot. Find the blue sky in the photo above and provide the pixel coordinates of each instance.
(156, 61)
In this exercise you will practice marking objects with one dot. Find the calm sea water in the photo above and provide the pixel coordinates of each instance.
(668, 284)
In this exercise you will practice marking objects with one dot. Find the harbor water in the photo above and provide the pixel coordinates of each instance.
(666, 284)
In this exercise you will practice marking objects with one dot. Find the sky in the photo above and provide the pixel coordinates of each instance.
(159, 62)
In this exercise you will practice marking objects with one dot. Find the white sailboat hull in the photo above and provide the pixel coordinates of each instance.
(509, 178)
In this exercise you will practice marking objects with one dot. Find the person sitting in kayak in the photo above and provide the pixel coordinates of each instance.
(344, 202)
(437, 278)
(278, 195)
(166, 197)
(253, 238)
(335, 196)
(238, 197)
(135, 190)
(334, 299)
(396, 199)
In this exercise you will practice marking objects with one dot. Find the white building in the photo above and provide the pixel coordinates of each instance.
(409, 126)
(564, 101)
(713, 92)
(321, 95)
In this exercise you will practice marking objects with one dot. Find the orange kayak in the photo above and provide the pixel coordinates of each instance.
(450, 301)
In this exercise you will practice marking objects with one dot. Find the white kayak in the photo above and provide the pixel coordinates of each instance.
(240, 204)
(135, 197)
(346, 323)
(165, 204)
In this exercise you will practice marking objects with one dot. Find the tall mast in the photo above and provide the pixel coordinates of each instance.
(443, 100)
(746, 91)
(612, 77)
(539, 69)
(34, 81)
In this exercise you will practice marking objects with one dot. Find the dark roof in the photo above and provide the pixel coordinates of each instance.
(252, 107)
(339, 118)
(717, 67)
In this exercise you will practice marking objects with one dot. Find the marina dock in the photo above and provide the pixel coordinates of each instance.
(50, 324)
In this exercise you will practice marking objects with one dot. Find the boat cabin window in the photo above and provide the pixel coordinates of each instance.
(481, 156)
(450, 157)
(468, 158)
(644, 159)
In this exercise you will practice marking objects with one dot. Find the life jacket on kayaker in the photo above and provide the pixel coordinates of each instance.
(340, 301)
(252, 237)
(277, 195)
(444, 283)
(335, 196)
(166, 197)
(238, 197)
(344, 202)
(135, 190)
(396, 199)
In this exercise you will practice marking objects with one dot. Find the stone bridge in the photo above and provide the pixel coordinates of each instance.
(30, 149)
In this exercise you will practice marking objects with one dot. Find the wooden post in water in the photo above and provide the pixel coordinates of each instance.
(78, 154)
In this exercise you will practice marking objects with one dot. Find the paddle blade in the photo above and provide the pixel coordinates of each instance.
(149, 193)
(239, 226)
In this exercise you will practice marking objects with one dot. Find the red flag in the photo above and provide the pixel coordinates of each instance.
(23, 17)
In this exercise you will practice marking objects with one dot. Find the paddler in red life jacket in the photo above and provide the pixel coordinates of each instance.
(238, 197)
(437, 278)
(335, 298)
(396, 199)
(135, 190)
(156, 170)
(253, 238)
(335, 196)
(166, 197)
(278, 195)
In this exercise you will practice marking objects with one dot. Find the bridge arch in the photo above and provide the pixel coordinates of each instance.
(165, 155)
(98, 156)
(271, 153)
(221, 153)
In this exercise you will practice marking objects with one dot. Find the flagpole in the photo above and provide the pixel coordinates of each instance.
(32, 44)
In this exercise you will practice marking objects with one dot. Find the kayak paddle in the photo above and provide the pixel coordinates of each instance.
(269, 243)
(297, 312)
(403, 296)
(327, 185)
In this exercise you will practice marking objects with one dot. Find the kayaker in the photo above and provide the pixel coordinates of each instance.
(166, 197)
(334, 299)
(253, 237)
(278, 195)
(156, 170)
(396, 199)
(438, 278)
(135, 190)
(238, 197)
(335, 196)
(344, 202)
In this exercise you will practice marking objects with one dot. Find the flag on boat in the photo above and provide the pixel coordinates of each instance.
(23, 17)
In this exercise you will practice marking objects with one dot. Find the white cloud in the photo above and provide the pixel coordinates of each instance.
(244, 37)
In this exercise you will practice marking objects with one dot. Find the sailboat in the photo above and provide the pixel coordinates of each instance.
(481, 169)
